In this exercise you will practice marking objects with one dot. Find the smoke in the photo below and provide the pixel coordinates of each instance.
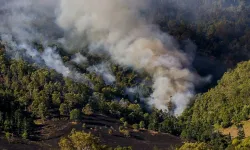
(24, 22)
(104, 71)
(29, 20)
(54, 61)
(118, 27)
(79, 59)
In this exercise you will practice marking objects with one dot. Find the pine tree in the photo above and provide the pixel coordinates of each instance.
(241, 133)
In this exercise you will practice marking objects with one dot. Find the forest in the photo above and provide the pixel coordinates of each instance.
(32, 95)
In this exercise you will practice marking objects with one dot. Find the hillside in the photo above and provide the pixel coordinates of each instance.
(122, 75)
(98, 125)
(32, 97)
(225, 105)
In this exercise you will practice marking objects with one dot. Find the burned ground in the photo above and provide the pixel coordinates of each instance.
(99, 125)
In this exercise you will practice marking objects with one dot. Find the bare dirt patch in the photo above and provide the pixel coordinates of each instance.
(233, 131)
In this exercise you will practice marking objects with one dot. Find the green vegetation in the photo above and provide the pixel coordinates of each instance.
(219, 28)
(29, 93)
(87, 110)
(81, 140)
(195, 146)
(75, 115)
(226, 104)
(241, 144)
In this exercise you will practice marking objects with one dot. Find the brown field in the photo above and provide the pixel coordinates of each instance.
(233, 131)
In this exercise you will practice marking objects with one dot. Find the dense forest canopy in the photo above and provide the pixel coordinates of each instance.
(218, 28)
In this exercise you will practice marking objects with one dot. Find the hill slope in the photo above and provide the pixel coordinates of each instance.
(226, 104)
(98, 125)
(229, 101)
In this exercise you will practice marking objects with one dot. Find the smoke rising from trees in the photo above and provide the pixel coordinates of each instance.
(119, 28)
(115, 27)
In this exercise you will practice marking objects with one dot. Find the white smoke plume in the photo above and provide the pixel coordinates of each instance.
(26, 21)
(78, 58)
(54, 61)
(117, 26)
(104, 71)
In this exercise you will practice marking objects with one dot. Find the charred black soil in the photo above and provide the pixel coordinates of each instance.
(51, 132)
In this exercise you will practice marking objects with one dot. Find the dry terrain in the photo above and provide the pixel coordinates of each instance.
(233, 131)
(52, 131)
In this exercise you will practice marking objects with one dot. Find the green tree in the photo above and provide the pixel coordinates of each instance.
(7, 125)
(63, 109)
(8, 136)
(125, 124)
(75, 115)
(87, 110)
(80, 140)
(195, 146)
(42, 111)
(241, 133)
(66, 144)
(25, 135)
(56, 98)
(142, 124)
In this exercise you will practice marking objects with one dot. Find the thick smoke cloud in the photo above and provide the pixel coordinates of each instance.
(24, 22)
(79, 59)
(29, 20)
(118, 27)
